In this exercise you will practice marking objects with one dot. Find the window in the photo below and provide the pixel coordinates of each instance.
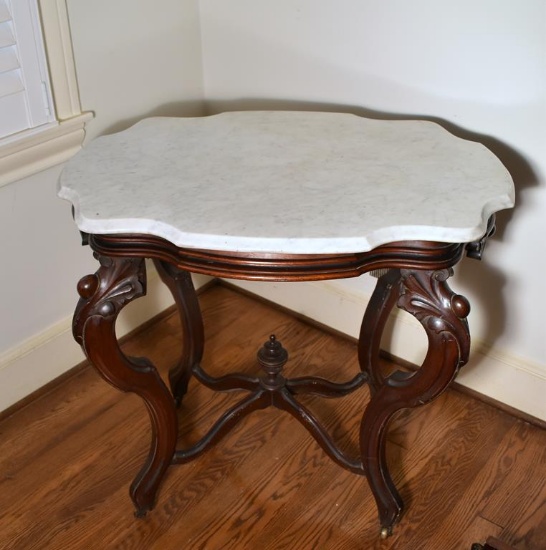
(25, 94)
(41, 122)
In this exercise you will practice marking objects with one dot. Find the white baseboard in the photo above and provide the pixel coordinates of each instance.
(42, 358)
(501, 376)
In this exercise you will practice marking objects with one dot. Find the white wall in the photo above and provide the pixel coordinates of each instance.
(132, 60)
(479, 65)
(137, 58)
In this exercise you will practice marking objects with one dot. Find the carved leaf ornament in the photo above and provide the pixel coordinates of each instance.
(436, 306)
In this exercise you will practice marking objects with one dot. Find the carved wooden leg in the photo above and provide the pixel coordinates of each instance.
(426, 295)
(103, 295)
(181, 286)
(381, 303)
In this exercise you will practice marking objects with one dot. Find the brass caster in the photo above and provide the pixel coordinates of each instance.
(386, 532)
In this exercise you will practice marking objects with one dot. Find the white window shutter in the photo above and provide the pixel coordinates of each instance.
(25, 95)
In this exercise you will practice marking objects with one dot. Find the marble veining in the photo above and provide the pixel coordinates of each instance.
(286, 182)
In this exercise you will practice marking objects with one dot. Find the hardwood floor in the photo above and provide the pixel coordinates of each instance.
(465, 469)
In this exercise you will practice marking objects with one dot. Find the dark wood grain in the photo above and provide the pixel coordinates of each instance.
(466, 470)
(281, 267)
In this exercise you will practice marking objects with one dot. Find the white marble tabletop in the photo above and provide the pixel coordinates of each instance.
(286, 182)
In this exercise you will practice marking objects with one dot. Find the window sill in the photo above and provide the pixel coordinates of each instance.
(41, 149)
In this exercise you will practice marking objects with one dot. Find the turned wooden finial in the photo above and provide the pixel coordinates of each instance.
(272, 358)
(272, 353)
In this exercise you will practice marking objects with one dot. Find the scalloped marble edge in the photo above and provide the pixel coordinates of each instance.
(229, 243)
(284, 245)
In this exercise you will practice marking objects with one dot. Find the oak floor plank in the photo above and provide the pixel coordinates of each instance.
(473, 532)
(486, 486)
(466, 470)
(519, 502)
(436, 484)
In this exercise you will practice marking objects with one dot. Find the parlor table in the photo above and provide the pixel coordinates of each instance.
(282, 196)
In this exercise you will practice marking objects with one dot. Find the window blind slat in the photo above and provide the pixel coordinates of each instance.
(5, 14)
(8, 59)
(7, 38)
(11, 83)
(11, 80)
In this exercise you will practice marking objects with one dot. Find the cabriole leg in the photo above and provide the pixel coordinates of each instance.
(103, 295)
(427, 296)
(181, 286)
(384, 298)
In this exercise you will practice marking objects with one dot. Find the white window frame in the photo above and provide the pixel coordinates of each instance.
(33, 150)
